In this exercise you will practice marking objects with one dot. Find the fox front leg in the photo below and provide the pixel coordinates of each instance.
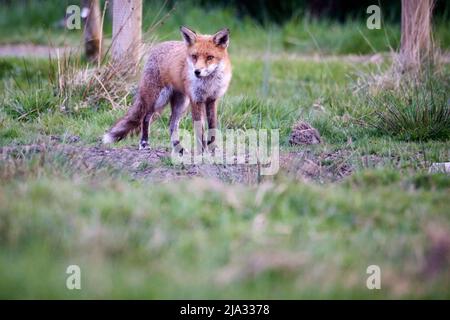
(211, 115)
(198, 125)
(179, 104)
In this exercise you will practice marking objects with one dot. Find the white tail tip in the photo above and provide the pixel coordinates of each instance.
(107, 138)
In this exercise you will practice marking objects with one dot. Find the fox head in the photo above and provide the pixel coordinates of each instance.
(205, 52)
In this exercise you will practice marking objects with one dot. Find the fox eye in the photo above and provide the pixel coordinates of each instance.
(194, 57)
(209, 58)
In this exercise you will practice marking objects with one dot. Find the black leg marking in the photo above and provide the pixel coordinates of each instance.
(143, 145)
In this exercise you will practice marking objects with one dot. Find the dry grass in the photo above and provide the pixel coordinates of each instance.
(106, 79)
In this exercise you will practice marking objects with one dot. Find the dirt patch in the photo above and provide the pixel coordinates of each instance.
(155, 164)
(151, 164)
(323, 167)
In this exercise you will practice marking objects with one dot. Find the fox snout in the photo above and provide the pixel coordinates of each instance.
(203, 72)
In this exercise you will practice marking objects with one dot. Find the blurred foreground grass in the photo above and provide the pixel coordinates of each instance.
(206, 239)
(283, 238)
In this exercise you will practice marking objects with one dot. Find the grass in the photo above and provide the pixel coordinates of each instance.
(201, 238)
(295, 92)
(415, 111)
(136, 241)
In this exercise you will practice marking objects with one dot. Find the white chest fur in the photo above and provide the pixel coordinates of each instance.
(211, 87)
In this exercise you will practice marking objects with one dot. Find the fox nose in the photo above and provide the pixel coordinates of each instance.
(197, 72)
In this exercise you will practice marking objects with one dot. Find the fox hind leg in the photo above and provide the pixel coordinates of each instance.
(156, 104)
(143, 144)
(179, 104)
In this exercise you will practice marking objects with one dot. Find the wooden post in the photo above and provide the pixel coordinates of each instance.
(127, 35)
(416, 37)
(92, 29)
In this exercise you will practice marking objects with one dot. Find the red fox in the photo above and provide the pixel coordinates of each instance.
(196, 70)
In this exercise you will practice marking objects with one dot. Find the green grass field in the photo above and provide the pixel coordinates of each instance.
(310, 231)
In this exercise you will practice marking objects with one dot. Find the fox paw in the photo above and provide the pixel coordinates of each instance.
(212, 147)
(143, 145)
(178, 149)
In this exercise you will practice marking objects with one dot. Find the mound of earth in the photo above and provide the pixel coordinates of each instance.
(304, 133)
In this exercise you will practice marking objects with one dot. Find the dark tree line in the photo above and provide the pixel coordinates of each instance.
(281, 10)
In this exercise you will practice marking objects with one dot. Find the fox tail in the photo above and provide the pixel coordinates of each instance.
(130, 122)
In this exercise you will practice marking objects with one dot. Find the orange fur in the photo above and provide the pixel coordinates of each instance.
(197, 70)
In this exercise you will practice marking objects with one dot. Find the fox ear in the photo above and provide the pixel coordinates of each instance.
(189, 35)
(222, 38)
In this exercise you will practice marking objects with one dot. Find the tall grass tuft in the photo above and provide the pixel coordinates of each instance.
(25, 106)
(417, 110)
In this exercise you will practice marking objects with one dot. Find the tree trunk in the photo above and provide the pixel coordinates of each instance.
(92, 30)
(416, 38)
(127, 21)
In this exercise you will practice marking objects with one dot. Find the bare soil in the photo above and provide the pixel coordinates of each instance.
(155, 164)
